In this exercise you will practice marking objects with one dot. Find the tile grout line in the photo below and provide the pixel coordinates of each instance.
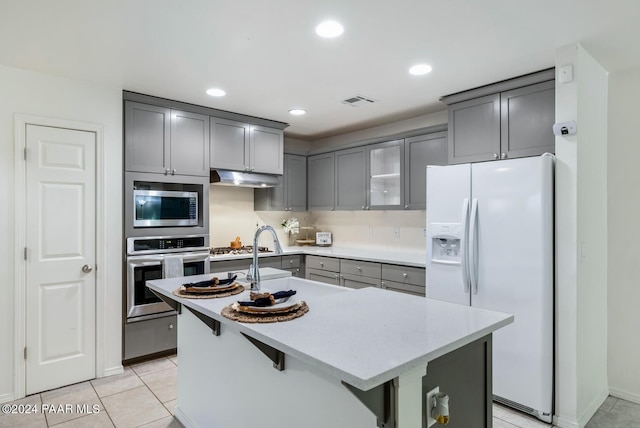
(102, 404)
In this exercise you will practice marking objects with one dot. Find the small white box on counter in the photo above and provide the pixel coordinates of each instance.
(323, 239)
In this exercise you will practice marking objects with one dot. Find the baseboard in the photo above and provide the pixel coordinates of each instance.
(562, 422)
(113, 371)
(593, 407)
(184, 419)
(7, 398)
(625, 395)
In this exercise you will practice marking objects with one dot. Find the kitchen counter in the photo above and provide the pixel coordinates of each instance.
(349, 340)
(405, 258)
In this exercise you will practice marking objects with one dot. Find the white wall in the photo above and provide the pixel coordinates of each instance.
(624, 235)
(43, 95)
(581, 240)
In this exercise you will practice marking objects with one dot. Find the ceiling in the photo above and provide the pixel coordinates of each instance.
(267, 57)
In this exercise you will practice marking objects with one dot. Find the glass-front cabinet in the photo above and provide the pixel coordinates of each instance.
(385, 179)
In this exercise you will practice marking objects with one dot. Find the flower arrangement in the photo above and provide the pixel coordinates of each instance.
(291, 225)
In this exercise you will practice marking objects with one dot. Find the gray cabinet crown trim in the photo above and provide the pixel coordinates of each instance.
(193, 108)
(505, 85)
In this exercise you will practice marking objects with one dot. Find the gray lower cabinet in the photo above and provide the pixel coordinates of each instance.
(359, 274)
(292, 263)
(350, 179)
(405, 279)
(165, 141)
(291, 193)
(242, 146)
(323, 269)
(509, 119)
(420, 151)
(321, 182)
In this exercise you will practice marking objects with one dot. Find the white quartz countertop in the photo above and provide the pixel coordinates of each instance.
(405, 258)
(364, 337)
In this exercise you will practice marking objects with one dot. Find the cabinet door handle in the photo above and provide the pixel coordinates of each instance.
(504, 156)
(166, 171)
(363, 207)
(358, 267)
(383, 285)
(405, 275)
(367, 208)
(291, 261)
(495, 156)
(173, 171)
(406, 207)
(322, 264)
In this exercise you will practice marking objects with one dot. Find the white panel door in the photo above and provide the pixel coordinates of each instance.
(515, 273)
(60, 236)
(448, 191)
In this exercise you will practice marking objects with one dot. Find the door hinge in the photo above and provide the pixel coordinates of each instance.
(25, 253)
(25, 352)
(25, 153)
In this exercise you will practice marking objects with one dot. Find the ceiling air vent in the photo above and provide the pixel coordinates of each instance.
(358, 100)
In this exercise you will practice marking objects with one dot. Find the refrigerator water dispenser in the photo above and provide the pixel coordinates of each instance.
(446, 239)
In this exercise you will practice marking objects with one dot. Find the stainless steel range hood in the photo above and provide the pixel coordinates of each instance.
(223, 177)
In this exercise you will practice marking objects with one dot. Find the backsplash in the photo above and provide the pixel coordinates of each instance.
(231, 214)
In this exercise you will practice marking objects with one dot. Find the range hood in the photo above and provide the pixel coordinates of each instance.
(223, 177)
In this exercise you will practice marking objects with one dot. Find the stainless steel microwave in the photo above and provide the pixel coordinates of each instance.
(163, 208)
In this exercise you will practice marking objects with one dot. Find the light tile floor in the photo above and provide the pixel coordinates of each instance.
(145, 396)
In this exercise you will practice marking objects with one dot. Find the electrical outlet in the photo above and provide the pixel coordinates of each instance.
(429, 405)
(396, 232)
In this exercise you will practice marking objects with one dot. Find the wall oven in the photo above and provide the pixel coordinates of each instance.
(145, 256)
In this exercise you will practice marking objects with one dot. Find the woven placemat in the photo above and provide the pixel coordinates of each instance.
(236, 290)
(232, 314)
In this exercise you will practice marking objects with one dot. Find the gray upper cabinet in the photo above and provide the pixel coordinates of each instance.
(420, 151)
(189, 143)
(291, 193)
(508, 119)
(321, 182)
(244, 147)
(229, 148)
(165, 141)
(350, 179)
(474, 130)
(385, 185)
(266, 146)
(528, 115)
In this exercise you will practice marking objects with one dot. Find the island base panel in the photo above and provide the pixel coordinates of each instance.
(465, 375)
(226, 382)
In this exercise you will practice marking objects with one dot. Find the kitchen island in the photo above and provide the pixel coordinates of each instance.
(357, 359)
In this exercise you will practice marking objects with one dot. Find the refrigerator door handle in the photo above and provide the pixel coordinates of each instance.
(463, 247)
(472, 246)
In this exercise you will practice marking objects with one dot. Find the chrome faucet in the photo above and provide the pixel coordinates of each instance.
(254, 272)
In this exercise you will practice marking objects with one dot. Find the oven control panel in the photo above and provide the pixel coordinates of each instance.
(163, 244)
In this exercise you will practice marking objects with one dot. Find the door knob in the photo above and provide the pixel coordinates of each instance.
(86, 268)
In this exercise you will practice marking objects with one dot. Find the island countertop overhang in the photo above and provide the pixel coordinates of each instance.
(364, 337)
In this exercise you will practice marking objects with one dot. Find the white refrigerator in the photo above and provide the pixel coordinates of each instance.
(490, 245)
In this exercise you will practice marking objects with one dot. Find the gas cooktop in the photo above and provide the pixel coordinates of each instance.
(242, 250)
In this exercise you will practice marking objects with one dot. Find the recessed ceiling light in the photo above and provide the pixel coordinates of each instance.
(329, 29)
(297, 111)
(420, 69)
(215, 92)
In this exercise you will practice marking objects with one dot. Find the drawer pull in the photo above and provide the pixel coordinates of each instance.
(405, 275)
(322, 264)
(358, 267)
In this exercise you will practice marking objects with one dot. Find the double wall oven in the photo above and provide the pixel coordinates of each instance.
(162, 217)
(145, 257)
